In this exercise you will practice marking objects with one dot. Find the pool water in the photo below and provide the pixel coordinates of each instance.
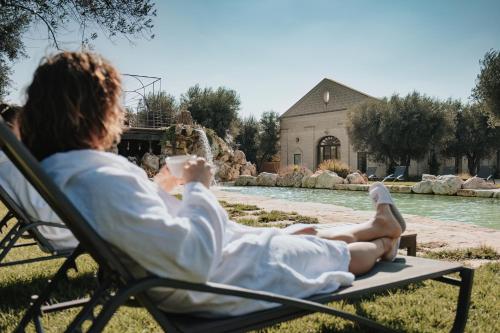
(479, 211)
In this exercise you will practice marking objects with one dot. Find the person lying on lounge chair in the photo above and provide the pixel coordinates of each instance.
(13, 182)
(73, 115)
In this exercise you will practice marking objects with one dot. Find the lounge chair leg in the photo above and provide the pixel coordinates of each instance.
(38, 324)
(463, 303)
(5, 220)
(34, 309)
(100, 296)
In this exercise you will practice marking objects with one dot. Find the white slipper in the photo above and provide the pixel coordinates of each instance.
(392, 256)
(380, 195)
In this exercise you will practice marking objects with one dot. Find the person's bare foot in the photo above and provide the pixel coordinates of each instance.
(391, 247)
(386, 222)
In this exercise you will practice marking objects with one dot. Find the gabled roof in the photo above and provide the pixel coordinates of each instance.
(341, 97)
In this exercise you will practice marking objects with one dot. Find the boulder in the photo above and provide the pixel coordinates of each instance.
(355, 178)
(245, 180)
(150, 161)
(447, 184)
(477, 183)
(239, 157)
(290, 180)
(328, 179)
(426, 176)
(310, 181)
(267, 179)
(423, 187)
(248, 169)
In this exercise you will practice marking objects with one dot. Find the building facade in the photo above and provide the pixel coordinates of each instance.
(314, 129)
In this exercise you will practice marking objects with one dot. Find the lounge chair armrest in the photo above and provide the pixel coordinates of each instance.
(48, 224)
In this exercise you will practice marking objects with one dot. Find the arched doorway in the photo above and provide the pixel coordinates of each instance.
(328, 149)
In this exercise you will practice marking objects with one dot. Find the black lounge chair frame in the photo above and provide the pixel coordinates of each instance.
(486, 173)
(118, 284)
(398, 174)
(371, 173)
(21, 226)
(448, 170)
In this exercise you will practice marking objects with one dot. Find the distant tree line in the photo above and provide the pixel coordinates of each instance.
(216, 109)
(398, 129)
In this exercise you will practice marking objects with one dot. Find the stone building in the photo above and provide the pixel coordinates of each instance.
(314, 129)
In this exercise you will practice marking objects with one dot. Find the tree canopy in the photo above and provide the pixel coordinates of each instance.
(215, 109)
(269, 135)
(247, 138)
(398, 129)
(474, 135)
(487, 89)
(156, 110)
(109, 17)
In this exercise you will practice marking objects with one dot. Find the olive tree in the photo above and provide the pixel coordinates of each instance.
(247, 138)
(398, 129)
(475, 135)
(212, 108)
(487, 89)
(269, 136)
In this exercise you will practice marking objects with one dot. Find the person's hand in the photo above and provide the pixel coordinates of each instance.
(198, 171)
(165, 179)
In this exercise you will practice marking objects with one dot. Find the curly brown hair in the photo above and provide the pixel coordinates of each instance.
(72, 103)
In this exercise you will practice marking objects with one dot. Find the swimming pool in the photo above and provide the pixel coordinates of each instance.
(479, 211)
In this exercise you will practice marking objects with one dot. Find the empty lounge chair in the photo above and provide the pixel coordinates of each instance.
(486, 173)
(399, 174)
(371, 173)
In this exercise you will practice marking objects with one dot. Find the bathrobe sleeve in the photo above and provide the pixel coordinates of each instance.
(129, 213)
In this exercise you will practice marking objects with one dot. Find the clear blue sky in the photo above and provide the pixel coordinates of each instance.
(273, 51)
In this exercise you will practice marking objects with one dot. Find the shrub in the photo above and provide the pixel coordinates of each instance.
(340, 168)
(294, 169)
(464, 175)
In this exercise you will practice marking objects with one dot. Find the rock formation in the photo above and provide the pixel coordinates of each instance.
(478, 183)
(356, 178)
(448, 184)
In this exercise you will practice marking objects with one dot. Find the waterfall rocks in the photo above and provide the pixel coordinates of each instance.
(192, 139)
(151, 162)
(248, 169)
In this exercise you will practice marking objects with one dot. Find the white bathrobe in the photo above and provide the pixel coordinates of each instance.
(194, 240)
(18, 188)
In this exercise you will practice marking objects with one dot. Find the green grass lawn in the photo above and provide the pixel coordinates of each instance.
(423, 307)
